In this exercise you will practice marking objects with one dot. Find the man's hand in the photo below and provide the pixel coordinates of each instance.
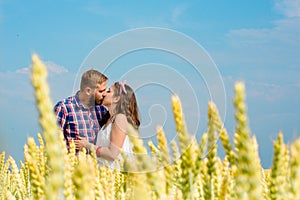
(82, 142)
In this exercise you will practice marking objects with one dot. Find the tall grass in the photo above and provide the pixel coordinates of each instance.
(175, 172)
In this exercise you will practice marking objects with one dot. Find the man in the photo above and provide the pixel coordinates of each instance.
(82, 115)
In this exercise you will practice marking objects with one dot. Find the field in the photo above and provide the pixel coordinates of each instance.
(191, 170)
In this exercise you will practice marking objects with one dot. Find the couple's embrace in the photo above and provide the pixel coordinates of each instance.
(97, 118)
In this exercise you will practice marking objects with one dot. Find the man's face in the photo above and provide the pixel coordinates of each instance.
(100, 93)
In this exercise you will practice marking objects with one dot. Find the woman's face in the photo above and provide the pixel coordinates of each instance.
(109, 96)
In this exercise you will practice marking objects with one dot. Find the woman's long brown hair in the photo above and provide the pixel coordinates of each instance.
(127, 104)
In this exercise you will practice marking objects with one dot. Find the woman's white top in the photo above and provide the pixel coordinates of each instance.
(103, 139)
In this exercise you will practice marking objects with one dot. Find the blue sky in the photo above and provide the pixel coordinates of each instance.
(254, 41)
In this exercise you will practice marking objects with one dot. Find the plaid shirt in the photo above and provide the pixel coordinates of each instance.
(76, 120)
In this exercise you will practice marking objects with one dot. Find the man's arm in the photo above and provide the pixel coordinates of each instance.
(61, 115)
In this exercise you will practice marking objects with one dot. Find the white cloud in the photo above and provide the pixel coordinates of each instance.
(51, 67)
(262, 48)
(285, 31)
(290, 8)
(17, 84)
(178, 11)
(55, 68)
(24, 70)
(96, 10)
(266, 91)
(270, 94)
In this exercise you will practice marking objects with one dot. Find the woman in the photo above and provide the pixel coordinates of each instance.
(121, 103)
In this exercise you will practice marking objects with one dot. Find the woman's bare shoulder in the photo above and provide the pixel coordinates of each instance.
(121, 122)
(120, 116)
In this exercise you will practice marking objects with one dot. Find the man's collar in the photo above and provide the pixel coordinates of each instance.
(77, 101)
(81, 105)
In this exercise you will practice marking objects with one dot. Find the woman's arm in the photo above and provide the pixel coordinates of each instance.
(117, 138)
